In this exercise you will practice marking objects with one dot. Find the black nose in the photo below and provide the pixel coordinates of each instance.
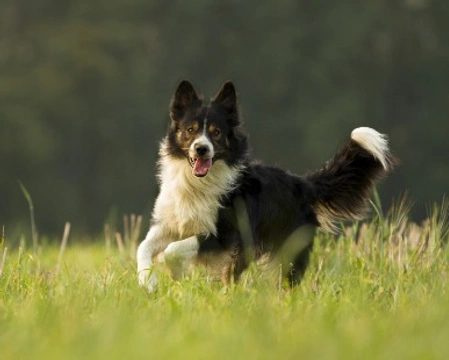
(201, 150)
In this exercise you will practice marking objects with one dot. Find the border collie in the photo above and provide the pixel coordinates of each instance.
(219, 209)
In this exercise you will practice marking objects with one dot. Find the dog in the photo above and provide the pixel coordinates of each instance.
(218, 208)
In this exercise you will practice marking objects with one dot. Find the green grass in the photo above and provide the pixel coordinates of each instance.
(377, 291)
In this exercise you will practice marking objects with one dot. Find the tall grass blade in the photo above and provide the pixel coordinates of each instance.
(28, 198)
(2, 264)
(65, 238)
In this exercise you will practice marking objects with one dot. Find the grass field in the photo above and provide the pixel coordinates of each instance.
(377, 291)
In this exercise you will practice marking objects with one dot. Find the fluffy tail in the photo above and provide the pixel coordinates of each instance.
(343, 186)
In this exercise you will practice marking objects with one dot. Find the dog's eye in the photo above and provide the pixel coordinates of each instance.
(190, 130)
(216, 132)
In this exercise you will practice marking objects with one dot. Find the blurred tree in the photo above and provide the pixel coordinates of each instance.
(84, 89)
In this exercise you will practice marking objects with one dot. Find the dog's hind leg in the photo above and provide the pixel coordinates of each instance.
(299, 266)
(295, 253)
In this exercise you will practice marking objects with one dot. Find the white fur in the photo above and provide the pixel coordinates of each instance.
(183, 250)
(372, 141)
(186, 206)
(204, 141)
(178, 255)
(145, 271)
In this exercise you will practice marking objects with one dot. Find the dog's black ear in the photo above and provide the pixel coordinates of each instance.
(227, 98)
(185, 96)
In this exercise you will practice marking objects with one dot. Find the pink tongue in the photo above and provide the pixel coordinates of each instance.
(201, 167)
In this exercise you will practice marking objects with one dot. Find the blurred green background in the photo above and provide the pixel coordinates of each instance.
(85, 86)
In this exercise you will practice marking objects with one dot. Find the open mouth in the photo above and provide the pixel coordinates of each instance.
(200, 166)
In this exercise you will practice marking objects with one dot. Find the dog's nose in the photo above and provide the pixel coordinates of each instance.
(201, 150)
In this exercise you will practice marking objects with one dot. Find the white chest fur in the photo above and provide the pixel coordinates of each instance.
(188, 205)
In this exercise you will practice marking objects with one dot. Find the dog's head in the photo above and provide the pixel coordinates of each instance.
(203, 133)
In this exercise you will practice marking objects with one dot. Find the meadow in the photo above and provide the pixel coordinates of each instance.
(376, 290)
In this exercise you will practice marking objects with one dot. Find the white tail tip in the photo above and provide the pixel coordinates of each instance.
(372, 141)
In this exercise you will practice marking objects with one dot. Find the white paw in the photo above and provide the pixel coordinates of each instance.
(173, 255)
(148, 280)
(181, 251)
(179, 255)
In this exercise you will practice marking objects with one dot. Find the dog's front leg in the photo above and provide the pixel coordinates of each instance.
(179, 255)
(153, 243)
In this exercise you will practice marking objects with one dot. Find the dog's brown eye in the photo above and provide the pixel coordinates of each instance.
(216, 132)
(190, 130)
